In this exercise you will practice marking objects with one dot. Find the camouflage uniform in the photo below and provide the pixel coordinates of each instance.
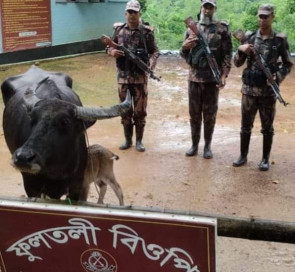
(202, 90)
(140, 41)
(257, 95)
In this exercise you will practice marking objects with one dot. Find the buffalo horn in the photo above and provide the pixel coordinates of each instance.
(90, 114)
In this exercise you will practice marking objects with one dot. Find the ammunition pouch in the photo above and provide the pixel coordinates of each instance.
(125, 64)
(120, 62)
(197, 58)
(143, 55)
(254, 77)
(257, 77)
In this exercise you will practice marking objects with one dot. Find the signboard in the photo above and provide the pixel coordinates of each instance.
(55, 237)
(25, 24)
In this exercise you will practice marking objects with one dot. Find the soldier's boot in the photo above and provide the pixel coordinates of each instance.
(128, 133)
(244, 149)
(267, 143)
(139, 135)
(207, 154)
(195, 134)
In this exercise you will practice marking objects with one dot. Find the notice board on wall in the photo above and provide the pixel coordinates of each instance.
(25, 24)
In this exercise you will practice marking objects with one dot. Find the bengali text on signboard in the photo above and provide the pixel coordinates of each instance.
(60, 238)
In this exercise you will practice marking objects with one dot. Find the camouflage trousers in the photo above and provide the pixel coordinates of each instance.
(136, 115)
(203, 105)
(266, 105)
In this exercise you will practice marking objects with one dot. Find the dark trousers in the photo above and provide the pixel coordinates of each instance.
(266, 105)
(136, 115)
(203, 105)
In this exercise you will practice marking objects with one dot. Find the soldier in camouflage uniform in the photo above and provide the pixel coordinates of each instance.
(257, 95)
(138, 38)
(202, 90)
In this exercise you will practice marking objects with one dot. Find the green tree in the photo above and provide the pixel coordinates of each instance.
(167, 17)
(143, 5)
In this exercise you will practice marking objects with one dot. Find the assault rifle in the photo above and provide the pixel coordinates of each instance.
(130, 55)
(262, 65)
(190, 23)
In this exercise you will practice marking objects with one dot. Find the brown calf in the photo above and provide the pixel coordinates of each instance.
(100, 170)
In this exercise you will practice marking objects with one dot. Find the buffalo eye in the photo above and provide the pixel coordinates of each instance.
(64, 123)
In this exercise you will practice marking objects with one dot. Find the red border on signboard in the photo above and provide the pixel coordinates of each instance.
(25, 24)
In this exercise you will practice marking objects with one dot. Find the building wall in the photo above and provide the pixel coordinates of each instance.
(73, 22)
(76, 22)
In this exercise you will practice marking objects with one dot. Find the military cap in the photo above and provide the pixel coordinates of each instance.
(266, 9)
(133, 5)
(212, 2)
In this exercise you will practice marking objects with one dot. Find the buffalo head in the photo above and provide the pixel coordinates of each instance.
(56, 129)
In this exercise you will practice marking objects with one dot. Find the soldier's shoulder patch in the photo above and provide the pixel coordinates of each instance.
(224, 22)
(118, 24)
(281, 35)
(148, 27)
(223, 26)
(249, 33)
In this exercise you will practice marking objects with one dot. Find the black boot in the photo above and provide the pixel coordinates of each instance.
(193, 150)
(267, 143)
(244, 147)
(207, 154)
(139, 134)
(195, 132)
(128, 132)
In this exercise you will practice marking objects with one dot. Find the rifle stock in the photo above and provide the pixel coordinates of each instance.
(241, 37)
(136, 60)
(190, 23)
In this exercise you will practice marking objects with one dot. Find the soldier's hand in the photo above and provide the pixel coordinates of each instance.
(279, 77)
(276, 77)
(116, 53)
(189, 43)
(246, 48)
(222, 82)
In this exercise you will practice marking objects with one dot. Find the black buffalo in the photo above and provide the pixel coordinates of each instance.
(44, 126)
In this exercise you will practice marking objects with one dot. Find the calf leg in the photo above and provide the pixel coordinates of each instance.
(102, 191)
(117, 189)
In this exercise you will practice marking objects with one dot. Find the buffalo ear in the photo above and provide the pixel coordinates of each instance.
(88, 124)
